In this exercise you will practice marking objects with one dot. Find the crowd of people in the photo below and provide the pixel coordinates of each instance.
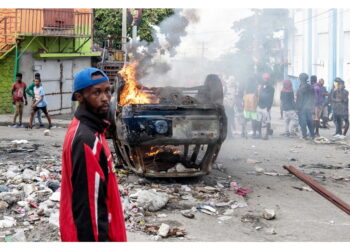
(39, 104)
(307, 110)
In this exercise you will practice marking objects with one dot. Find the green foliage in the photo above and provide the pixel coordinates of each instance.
(109, 22)
(258, 47)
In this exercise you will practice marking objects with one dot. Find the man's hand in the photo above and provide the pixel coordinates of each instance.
(33, 105)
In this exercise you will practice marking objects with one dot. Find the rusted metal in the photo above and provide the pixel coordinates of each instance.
(319, 189)
(54, 22)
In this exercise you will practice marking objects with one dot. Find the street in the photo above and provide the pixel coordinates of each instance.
(300, 213)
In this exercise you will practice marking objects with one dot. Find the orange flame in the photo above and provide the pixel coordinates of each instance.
(132, 92)
(156, 150)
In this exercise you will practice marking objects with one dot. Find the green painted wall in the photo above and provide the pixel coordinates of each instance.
(55, 44)
(6, 80)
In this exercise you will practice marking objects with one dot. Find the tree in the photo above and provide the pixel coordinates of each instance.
(109, 22)
(259, 50)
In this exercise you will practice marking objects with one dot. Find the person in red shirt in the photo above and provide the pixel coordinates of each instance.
(18, 96)
(90, 206)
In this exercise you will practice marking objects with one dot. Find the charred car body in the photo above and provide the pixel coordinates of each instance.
(178, 132)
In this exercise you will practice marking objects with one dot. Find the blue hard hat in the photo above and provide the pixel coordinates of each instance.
(83, 79)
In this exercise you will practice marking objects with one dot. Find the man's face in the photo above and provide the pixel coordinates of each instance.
(37, 82)
(18, 79)
(322, 82)
(96, 98)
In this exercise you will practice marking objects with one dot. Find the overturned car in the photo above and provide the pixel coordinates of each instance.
(168, 131)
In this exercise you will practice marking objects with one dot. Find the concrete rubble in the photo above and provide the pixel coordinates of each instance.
(27, 202)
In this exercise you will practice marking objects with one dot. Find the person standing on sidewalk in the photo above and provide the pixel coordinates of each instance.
(90, 206)
(340, 102)
(265, 95)
(319, 103)
(18, 96)
(40, 103)
(305, 106)
(288, 107)
(30, 92)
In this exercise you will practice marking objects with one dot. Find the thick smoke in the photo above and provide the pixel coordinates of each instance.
(167, 37)
(205, 46)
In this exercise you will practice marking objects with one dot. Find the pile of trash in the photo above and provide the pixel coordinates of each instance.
(147, 204)
(29, 194)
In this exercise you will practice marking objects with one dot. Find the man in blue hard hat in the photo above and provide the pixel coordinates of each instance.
(90, 206)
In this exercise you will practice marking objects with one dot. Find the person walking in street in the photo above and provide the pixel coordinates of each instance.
(340, 102)
(288, 107)
(30, 92)
(265, 96)
(319, 103)
(40, 103)
(19, 96)
(250, 101)
(90, 206)
(305, 106)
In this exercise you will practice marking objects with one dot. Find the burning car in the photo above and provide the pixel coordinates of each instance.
(167, 131)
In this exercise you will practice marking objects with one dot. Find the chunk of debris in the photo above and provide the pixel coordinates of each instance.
(47, 132)
(150, 199)
(207, 209)
(269, 214)
(270, 231)
(163, 230)
(19, 236)
(187, 214)
(7, 222)
(252, 161)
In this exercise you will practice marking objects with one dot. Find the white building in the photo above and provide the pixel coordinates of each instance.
(320, 44)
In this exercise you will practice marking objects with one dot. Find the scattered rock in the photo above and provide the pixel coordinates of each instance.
(55, 196)
(259, 170)
(53, 220)
(7, 222)
(53, 185)
(270, 231)
(269, 214)
(28, 189)
(47, 132)
(252, 161)
(11, 197)
(43, 195)
(28, 174)
(180, 168)
(3, 206)
(3, 188)
(187, 214)
(163, 230)
(19, 236)
(150, 199)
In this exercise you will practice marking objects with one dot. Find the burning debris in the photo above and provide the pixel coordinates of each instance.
(168, 132)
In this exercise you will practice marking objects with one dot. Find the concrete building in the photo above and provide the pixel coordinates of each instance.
(319, 44)
(57, 43)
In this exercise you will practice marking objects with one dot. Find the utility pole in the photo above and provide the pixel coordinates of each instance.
(124, 48)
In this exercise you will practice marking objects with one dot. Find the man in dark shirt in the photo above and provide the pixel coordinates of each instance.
(266, 93)
(340, 101)
(305, 106)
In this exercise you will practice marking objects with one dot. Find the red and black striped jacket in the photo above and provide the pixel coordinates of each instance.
(90, 206)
